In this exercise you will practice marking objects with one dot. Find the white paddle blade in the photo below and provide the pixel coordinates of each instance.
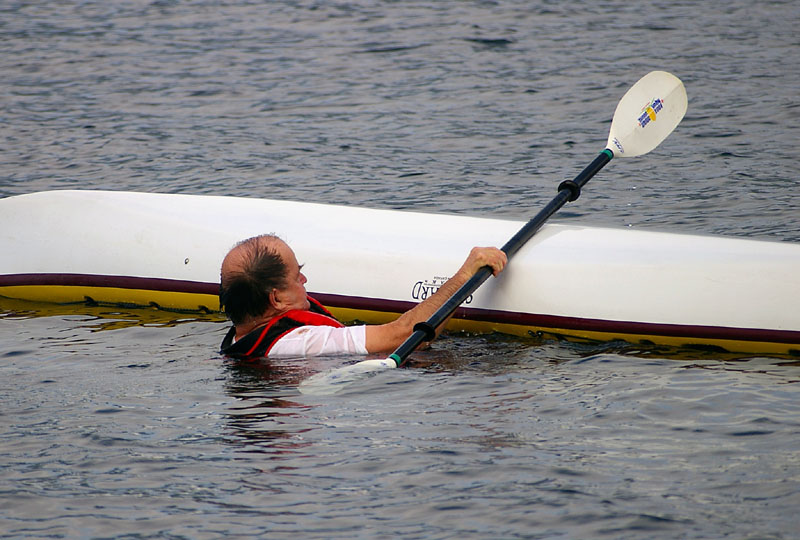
(647, 114)
(330, 382)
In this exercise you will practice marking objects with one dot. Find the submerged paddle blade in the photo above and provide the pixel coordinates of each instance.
(330, 382)
(647, 114)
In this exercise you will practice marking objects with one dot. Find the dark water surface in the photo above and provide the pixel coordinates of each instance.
(120, 424)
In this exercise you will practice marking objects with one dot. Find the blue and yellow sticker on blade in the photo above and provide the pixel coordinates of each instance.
(650, 112)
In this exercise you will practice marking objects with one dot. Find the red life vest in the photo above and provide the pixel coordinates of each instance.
(258, 343)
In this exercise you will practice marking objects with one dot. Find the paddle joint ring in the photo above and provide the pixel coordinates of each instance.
(574, 189)
(427, 329)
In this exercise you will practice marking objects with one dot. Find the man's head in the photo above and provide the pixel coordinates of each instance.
(260, 278)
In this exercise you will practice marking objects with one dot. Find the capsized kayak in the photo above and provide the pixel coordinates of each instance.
(147, 249)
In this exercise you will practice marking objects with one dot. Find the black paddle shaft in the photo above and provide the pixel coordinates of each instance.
(568, 191)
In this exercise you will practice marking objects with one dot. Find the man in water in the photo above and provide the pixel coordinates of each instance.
(262, 291)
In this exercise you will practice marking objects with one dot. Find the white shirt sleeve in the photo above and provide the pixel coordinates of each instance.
(321, 341)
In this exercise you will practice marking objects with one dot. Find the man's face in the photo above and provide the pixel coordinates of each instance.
(293, 295)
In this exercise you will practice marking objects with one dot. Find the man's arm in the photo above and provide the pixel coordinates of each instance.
(387, 337)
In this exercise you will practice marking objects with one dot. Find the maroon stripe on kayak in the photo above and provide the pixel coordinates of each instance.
(121, 282)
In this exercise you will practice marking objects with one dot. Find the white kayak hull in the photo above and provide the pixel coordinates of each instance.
(579, 282)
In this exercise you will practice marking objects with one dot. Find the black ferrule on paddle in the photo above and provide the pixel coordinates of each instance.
(567, 191)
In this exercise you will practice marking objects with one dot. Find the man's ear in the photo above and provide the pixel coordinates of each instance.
(275, 300)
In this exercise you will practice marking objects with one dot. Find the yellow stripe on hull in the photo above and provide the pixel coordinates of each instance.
(572, 335)
(70, 294)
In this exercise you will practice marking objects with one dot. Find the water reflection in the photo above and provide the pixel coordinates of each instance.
(265, 418)
(97, 318)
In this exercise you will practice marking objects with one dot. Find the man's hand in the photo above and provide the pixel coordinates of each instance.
(484, 256)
